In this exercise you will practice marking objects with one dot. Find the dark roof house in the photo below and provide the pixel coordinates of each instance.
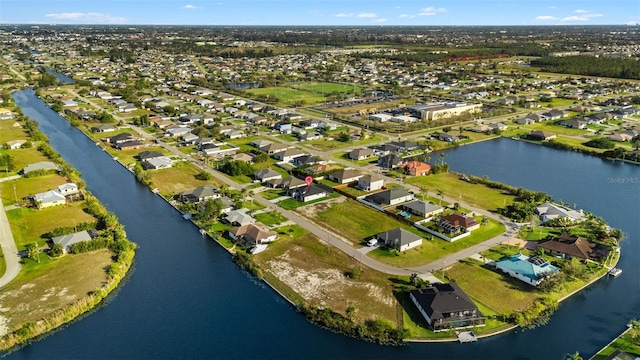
(446, 306)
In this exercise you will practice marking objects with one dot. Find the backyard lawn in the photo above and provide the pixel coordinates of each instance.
(28, 186)
(178, 178)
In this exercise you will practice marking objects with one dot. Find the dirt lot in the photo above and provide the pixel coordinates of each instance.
(30, 298)
(318, 274)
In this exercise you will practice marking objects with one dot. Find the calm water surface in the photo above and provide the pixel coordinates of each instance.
(185, 298)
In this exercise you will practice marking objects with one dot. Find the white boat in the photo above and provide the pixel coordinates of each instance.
(615, 272)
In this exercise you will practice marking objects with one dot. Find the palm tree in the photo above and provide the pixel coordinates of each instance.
(440, 193)
(33, 252)
(425, 192)
(250, 193)
(224, 189)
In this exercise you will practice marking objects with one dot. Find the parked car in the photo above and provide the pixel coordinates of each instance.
(372, 242)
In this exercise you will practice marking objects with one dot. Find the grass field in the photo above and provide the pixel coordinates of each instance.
(270, 218)
(287, 96)
(453, 187)
(28, 225)
(177, 179)
(9, 132)
(325, 88)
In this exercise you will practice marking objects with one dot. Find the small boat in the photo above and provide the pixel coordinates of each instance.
(615, 272)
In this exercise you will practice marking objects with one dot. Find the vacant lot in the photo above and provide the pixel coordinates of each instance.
(178, 178)
(32, 296)
(453, 187)
(316, 272)
(324, 88)
(287, 96)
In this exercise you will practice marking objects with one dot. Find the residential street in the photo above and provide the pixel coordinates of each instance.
(9, 249)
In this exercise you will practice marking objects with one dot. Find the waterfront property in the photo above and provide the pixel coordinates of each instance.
(446, 307)
(531, 270)
(67, 240)
(550, 211)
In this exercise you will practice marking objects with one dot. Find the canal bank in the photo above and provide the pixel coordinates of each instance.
(212, 308)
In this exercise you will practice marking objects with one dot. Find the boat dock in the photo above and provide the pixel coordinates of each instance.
(466, 336)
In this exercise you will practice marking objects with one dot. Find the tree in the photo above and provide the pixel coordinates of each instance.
(441, 195)
(343, 137)
(56, 250)
(33, 252)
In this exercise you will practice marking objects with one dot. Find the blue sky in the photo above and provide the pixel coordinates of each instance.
(322, 12)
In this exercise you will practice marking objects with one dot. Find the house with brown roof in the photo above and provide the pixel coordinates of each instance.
(253, 234)
(541, 135)
(446, 306)
(361, 154)
(416, 168)
(458, 222)
(569, 247)
(345, 176)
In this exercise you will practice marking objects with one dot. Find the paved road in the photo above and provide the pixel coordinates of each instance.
(9, 249)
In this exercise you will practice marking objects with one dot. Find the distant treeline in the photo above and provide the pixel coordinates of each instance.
(591, 66)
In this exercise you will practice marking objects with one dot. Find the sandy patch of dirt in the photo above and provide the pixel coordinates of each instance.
(310, 211)
(323, 286)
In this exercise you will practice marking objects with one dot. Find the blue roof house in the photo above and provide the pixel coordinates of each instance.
(532, 270)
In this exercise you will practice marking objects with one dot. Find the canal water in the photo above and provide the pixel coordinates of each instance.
(185, 298)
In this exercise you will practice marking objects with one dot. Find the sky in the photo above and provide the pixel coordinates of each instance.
(322, 12)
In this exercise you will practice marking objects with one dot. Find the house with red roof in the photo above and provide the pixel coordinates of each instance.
(416, 168)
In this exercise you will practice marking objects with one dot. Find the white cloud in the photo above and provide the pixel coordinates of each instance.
(344, 15)
(430, 11)
(90, 17)
(379, 20)
(191, 7)
(367, 15)
(545, 18)
(584, 16)
(632, 23)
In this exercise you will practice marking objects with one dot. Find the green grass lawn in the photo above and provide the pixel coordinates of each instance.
(28, 186)
(22, 158)
(325, 145)
(272, 194)
(28, 225)
(287, 96)
(9, 132)
(627, 342)
(178, 178)
(453, 187)
(325, 88)
(270, 218)
(128, 157)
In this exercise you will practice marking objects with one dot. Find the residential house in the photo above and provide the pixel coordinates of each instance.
(155, 163)
(40, 165)
(178, 131)
(569, 247)
(129, 145)
(260, 143)
(495, 127)
(67, 240)
(529, 270)
(310, 136)
(239, 217)
(361, 154)
(390, 161)
(146, 155)
(304, 194)
(554, 114)
(550, 211)
(48, 199)
(248, 158)
(446, 307)
(541, 135)
(273, 148)
(288, 154)
(404, 146)
(345, 176)
(574, 123)
(103, 128)
(266, 175)
(399, 239)
(370, 183)
(15, 144)
(390, 197)
(416, 168)
(68, 189)
(306, 160)
(253, 234)
(199, 194)
(422, 208)
(457, 222)
(120, 138)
